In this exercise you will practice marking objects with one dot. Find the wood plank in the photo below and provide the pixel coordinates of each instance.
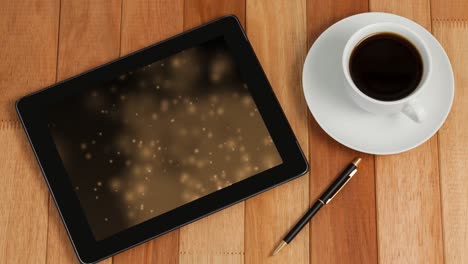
(29, 50)
(409, 212)
(163, 249)
(23, 194)
(28, 55)
(351, 216)
(143, 23)
(89, 36)
(322, 14)
(201, 11)
(416, 10)
(449, 10)
(407, 185)
(218, 238)
(347, 228)
(277, 31)
(453, 142)
(413, 212)
(205, 241)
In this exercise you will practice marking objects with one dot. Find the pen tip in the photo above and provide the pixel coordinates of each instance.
(281, 245)
(356, 161)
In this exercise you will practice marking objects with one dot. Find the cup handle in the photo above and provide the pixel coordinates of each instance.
(414, 111)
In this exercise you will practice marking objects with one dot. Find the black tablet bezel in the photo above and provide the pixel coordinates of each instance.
(32, 111)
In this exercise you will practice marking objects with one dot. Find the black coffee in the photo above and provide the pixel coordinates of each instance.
(386, 67)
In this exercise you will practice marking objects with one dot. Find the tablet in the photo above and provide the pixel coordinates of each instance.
(160, 138)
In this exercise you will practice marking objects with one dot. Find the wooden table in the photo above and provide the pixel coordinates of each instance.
(406, 208)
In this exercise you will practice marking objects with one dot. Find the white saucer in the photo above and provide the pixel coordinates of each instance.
(332, 108)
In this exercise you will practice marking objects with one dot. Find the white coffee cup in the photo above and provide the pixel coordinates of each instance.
(409, 105)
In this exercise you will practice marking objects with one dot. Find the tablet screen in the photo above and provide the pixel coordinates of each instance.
(160, 136)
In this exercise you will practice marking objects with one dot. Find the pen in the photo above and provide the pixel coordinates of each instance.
(324, 199)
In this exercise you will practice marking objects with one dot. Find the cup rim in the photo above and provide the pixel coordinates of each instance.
(347, 50)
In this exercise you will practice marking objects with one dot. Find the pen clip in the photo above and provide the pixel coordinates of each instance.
(350, 176)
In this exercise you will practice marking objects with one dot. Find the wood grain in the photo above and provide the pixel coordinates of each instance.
(89, 36)
(28, 62)
(201, 11)
(408, 199)
(322, 14)
(218, 238)
(205, 241)
(277, 31)
(23, 200)
(145, 22)
(346, 229)
(28, 50)
(416, 215)
(416, 10)
(407, 185)
(333, 235)
(449, 10)
(453, 145)
(163, 249)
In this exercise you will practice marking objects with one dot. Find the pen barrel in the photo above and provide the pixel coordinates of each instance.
(337, 183)
(303, 221)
